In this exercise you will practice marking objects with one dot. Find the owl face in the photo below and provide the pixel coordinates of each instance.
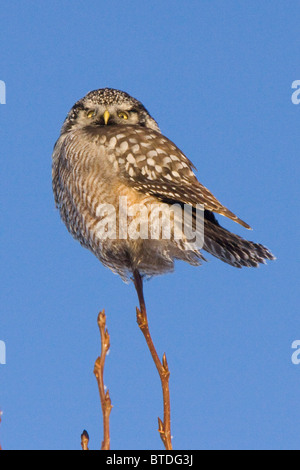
(108, 107)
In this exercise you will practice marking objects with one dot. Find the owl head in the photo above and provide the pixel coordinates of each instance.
(108, 107)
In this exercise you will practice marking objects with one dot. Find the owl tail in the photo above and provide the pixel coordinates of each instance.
(231, 248)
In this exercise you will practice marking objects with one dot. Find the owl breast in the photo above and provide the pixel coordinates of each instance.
(96, 204)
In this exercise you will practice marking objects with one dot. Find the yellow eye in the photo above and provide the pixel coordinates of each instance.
(123, 115)
(91, 114)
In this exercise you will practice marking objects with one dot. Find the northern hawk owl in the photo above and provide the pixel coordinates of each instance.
(111, 149)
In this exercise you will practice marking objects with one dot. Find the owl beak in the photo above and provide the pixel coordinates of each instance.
(106, 116)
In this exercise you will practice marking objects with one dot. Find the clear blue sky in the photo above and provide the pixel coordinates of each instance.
(217, 77)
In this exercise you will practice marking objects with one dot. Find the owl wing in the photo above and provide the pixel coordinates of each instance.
(152, 164)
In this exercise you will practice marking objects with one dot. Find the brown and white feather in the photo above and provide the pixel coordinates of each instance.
(95, 164)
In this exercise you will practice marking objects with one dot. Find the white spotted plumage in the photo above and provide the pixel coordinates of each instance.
(96, 162)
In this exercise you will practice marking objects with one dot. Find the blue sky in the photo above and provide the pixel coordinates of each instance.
(217, 77)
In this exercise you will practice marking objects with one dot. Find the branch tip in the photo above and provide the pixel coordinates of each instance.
(99, 372)
(85, 440)
(160, 426)
(165, 363)
(101, 320)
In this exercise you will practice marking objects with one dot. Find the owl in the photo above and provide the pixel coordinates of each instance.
(111, 165)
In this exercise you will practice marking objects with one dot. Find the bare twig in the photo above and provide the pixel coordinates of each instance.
(98, 371)
(164, 427)
(85, 440)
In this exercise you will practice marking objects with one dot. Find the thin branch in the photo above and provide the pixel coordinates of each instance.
(164, 427)
(85, 440)
(98, 371)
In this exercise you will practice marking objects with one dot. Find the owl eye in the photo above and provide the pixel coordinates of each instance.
(123, 115)
(91, 114)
